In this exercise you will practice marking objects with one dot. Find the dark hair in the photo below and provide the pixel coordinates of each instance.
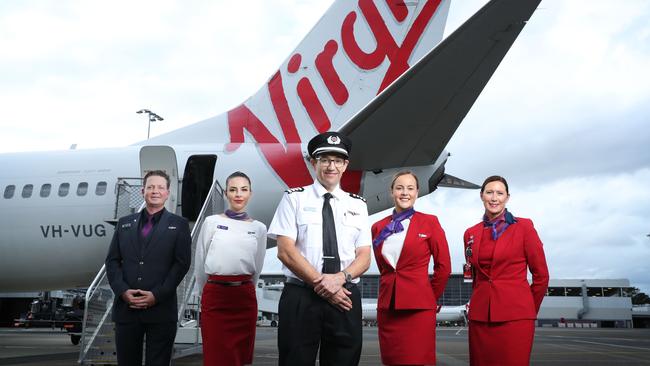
(405, 172)
(239, 174)
(155, 173)
(495, 178)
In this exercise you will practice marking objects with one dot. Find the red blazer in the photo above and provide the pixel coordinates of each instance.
(409, 283)
(505, 294)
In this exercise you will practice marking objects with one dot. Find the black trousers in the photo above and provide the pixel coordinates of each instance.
(159, 343)
(308, 321)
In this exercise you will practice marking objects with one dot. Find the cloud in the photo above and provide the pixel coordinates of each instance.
(76, 72)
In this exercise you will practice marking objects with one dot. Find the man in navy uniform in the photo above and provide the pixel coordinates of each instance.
(324, 245)
(148, 257)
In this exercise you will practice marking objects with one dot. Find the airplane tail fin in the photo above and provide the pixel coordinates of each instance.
(353, 53)
(450, 181)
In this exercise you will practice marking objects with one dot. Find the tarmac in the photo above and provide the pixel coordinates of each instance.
(553, 346)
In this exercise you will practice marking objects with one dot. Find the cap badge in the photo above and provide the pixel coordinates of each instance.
(334, 140)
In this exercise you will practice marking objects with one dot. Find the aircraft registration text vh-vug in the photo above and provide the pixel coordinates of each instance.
(74, 230)
(366, 69)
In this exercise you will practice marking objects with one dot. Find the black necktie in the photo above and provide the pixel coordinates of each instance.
(331, 261)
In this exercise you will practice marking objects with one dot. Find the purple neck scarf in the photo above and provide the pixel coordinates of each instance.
(499, 224)
(241, 216)
(394, 226)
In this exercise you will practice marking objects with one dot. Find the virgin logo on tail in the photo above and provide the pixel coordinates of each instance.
(286, 158)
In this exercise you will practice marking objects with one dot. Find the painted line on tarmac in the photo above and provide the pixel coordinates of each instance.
(40, 359)
(443, 359)
(612, 345)
(602, 338)
(606, 356)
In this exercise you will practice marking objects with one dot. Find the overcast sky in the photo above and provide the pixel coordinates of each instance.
(566, 117)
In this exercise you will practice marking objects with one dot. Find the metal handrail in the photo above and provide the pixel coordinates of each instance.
(199, 223)
(120, 181)
(90, 292)
(214, 186)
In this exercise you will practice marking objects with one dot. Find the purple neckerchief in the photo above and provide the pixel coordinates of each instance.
(499, 224)
(394, 226)
(242, 216)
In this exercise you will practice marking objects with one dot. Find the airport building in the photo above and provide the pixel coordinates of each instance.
(588, 303)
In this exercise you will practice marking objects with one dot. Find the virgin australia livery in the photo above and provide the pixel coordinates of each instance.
(366, 68)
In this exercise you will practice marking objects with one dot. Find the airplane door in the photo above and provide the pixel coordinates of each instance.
(162, 158)
(197, 181)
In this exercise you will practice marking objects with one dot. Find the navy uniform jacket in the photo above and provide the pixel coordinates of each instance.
(159, 266)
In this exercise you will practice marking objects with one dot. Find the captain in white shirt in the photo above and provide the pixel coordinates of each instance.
(324, 241)
(229, 256)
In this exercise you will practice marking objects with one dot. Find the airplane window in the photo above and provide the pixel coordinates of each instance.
(45, 190)
(9, 191)
(573, 291)
(628, 291)
(27, 190)
(594, 291)
(612, 291)
(100, 190)
(82, 189)
(64, 188)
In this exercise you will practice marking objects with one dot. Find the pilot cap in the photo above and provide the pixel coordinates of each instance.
(329, 142)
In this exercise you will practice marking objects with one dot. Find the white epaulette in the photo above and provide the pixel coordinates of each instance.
(357, 197)
(297, 189)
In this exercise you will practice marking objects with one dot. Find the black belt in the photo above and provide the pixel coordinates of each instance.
(229, 283)
(297, 282)
(301, 283)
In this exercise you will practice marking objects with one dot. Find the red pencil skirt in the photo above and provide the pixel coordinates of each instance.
(501, 343)
(228, 319)
(407, 337)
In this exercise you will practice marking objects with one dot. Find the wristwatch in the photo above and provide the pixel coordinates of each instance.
(348, 277)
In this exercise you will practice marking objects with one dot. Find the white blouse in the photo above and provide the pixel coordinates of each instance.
(229, 247)
(392, 247)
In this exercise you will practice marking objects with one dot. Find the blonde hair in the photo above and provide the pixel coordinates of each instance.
(405, 172)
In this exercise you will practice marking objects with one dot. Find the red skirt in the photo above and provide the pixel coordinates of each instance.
(228, 319)
(501, 343)
(407, 337)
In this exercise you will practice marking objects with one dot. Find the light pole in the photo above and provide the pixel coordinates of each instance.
(152, 118)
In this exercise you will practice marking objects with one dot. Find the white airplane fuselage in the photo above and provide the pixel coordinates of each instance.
(446, 313)
(56, 241)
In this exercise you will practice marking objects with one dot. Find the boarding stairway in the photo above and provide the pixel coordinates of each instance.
(98, 334)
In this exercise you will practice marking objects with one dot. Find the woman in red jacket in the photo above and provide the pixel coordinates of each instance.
(406, 308)
(499, 250)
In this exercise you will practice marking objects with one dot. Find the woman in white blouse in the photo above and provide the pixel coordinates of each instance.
(229, 257)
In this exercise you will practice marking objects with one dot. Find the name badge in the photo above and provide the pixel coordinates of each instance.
(467, 273)
(222, 227)
(422, 235)
(310, 209)
(251, 233)
(171, 227)
(126, 225)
